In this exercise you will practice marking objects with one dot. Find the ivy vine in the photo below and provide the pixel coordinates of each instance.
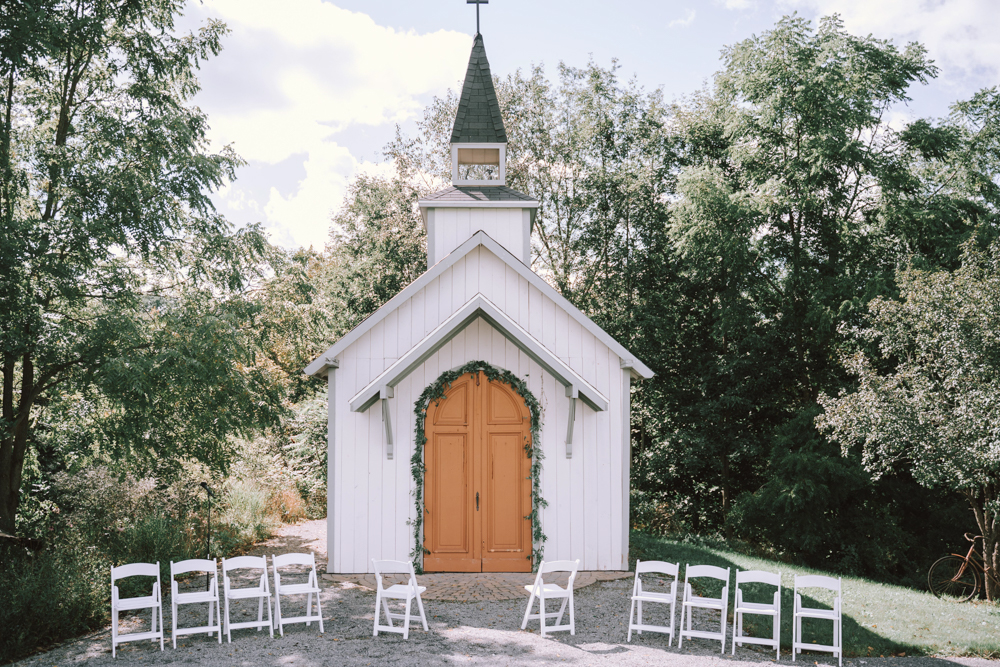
(435, 392)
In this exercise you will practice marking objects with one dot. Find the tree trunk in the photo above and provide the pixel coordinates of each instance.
(14, 442)
(725, 496)
(982, 504)
(991, 562)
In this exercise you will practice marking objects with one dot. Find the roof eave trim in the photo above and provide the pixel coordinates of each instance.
(513, 203)
(478, 307)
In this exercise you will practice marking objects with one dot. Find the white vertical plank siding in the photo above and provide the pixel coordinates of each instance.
(331, 465)
(596, 510)
(626, 451)
(608, 365)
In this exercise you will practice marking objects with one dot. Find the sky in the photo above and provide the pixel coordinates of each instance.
(309, 91)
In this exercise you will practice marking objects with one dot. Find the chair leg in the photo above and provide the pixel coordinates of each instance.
(541, 612)
(406, 618)
(631, 615)
(229, 624)
(270, 619)
(420, 606)
(173, 621)
(562, 610)
(640, 616)
(162, 625)
(736, 630)
(572, 617)
(388, 618)
(723, 625)
(319, 610)
(218, 613)
(277, 614)
(795, 635)
(673, 613)
(209, 633)
(527, 612)
(378, 601)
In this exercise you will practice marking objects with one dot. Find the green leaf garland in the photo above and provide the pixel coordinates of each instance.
(435, 392)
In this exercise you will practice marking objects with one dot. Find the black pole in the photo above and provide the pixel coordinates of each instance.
(208, 530)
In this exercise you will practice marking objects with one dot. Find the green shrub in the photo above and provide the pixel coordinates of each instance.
(50, 596)
(244, 519)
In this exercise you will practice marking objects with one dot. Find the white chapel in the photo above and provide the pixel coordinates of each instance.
(478, 420)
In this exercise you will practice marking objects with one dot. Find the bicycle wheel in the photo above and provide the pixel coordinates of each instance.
(953, 578)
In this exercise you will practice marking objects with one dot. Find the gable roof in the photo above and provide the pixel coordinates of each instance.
(478, 306)
(478, 195)
(628, 360)
(478, 118)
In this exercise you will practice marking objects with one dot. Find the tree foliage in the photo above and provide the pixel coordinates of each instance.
(122, 288)
(936, 412)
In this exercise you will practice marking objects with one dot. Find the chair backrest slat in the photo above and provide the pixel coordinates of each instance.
(393, 566)
(135, 570)
(817, 581)
(711, 571)
(757, 577)
(658, 566)
(559, 566)
(294, 559)
(254, 562)
(193, 565)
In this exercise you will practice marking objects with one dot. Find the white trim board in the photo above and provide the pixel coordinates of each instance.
(480, 238)
(472, 203)
(478, 306)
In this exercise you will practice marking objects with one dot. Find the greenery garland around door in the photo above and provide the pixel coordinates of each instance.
(435, 392)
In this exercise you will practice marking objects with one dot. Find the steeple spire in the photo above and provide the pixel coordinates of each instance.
(478, 119)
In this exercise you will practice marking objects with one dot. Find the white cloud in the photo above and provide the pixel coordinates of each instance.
(740, 4)
(960, 35)
(684, 22)
(288, 80)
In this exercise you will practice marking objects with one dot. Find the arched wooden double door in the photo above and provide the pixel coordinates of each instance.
(477, 484)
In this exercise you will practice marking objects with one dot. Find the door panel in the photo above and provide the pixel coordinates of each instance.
(503, 500)
(449, 460)
(477, 479)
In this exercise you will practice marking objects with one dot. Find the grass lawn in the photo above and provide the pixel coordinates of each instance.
(879, 619)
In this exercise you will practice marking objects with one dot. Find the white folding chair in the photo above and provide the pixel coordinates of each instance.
(407, 592)
(800, 612)
(310, 588)
(773, 610)
(210, 596)
(639, 596)
(261, 591)
(153, 601)
(543, 591)
(692, 601)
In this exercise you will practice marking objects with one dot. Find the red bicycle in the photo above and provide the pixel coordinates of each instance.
(957, 577)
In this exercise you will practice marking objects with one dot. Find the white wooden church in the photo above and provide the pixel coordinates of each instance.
(478, 301)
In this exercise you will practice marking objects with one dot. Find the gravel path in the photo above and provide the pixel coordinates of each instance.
(461, 633)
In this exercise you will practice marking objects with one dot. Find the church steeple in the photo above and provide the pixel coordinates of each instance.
(478, 138)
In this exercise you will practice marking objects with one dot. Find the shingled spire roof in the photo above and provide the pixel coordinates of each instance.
(478, 118)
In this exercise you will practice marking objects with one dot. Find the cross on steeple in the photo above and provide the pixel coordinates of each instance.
(477, 3)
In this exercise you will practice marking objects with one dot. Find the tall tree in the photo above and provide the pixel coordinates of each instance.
(936, 411)
(120, 281)
(786, 219)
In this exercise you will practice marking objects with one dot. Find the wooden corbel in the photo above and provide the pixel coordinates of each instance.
(573, 394)
(385, 393)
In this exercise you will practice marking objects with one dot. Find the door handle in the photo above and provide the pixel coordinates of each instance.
(477, 501)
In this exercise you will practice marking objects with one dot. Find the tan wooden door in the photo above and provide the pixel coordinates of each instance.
(477, 484)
